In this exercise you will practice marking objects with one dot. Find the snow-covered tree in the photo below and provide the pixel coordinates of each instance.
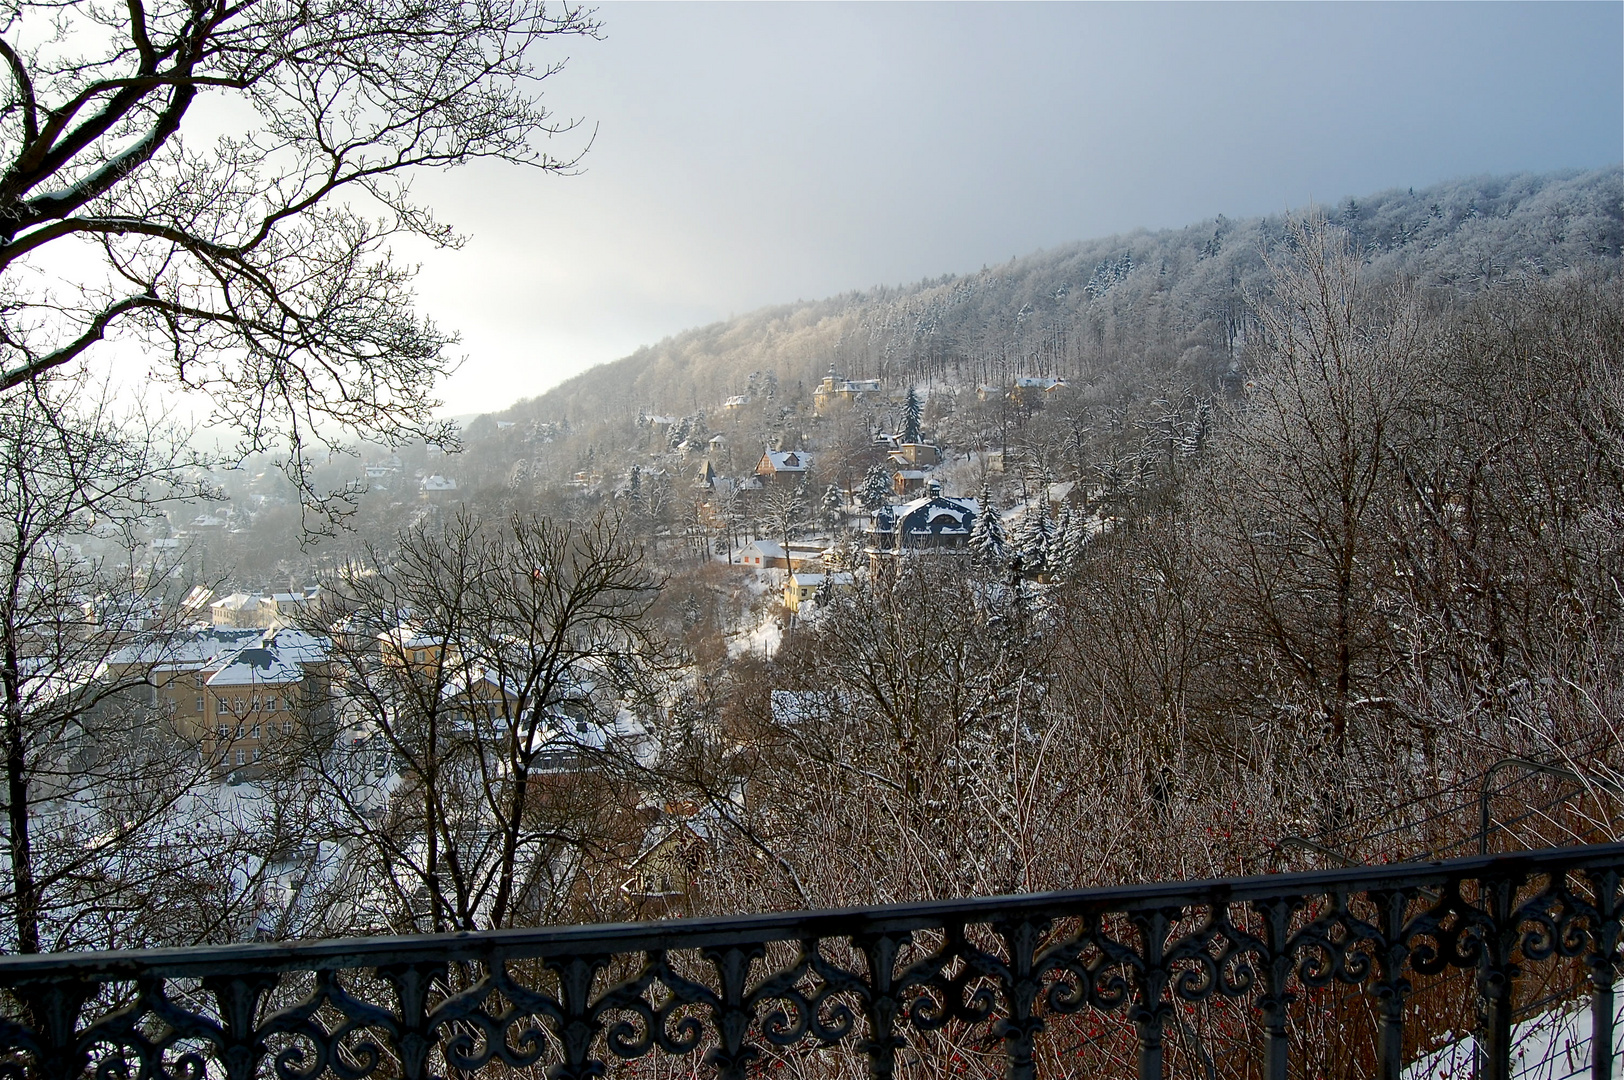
(876, 487)
(1059, 553)
(1073, 539)
(833, 505)
(987, 541)
(1036, 538)
(912, 413)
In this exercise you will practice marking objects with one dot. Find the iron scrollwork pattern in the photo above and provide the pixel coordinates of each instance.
(880, 981)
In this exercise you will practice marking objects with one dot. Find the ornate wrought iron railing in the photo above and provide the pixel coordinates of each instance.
(1026, 979)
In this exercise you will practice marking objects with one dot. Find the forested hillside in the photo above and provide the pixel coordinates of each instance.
(1163, 305)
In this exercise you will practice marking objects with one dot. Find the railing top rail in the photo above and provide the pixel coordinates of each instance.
(604, 939)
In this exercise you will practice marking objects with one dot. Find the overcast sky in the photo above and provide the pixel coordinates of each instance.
(751, 154)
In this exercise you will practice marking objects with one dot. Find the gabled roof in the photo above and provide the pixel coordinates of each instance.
(788, 460)
(927, 515)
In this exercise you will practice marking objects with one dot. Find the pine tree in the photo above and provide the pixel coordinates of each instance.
(876, 487)
(1037, 537)
(833, 504)
(988, 544)
(912, 414)
(1074, 540)
(634, 487)
(1059, 551)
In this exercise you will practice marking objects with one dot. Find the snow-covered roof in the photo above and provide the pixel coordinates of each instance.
(187, 650)
(439, 483)
(789, 460)
(807, 581)
(410, 636)
(256, 665)
(298, 646)
(947, 503)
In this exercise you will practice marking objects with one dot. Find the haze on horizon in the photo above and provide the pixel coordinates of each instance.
(744, 155)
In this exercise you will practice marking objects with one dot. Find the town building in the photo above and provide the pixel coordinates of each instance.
(933, 522)
(836, 390)
(803, 587)
(784, 466)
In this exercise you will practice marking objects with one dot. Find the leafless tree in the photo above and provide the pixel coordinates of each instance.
(488, 664)
(255, 267)
(1306, 476)
(100, 848)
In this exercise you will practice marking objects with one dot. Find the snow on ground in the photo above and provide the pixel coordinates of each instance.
(761, 641)
(1552, 1046)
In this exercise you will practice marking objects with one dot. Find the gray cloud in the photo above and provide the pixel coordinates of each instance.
(753, 154)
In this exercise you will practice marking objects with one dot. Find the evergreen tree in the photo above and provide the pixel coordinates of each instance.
(1060, 552)
(634, 487)
(1037, 537)
(987, 541)
(833, 504)
(1074, 540)
(912, 414)
(876, 487)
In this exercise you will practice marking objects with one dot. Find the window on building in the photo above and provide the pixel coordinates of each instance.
(253, 733)
(200, 703)
(420, 656)
(256, 753)
(239, 731)
(287, 727)
(253, 704)
(224, 731)
(270, 704)
(242, 756)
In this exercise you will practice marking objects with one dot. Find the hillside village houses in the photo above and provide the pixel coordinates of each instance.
(784, 466)
(835, 390)
(239, 682)
(266, 611)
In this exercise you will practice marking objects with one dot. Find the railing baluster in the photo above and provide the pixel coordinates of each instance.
(1603, 963)
(1497, 975)
(1150, 1016)
(1276, 1000)
(1602, 1052)
(1022, 1023)
(732, 1055)
(576, 1031)
(414, 1040)
(53, 1008)
(883, 1041)
(1392, 988)
(239, 997)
